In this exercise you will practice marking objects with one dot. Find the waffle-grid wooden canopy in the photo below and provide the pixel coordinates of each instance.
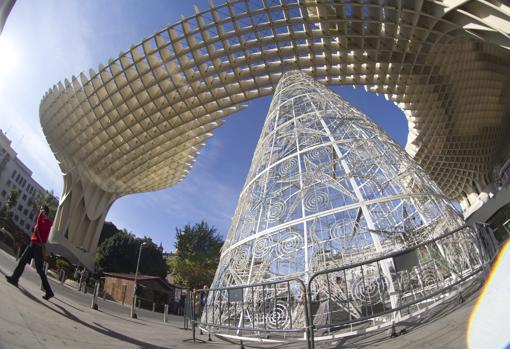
(137, 123)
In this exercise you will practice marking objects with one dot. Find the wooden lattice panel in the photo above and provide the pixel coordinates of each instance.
(137, 124)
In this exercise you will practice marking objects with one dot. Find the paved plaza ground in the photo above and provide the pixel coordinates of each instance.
(67, 321)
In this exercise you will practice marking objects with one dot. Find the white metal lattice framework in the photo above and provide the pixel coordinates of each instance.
(328, 189)
(136, 125)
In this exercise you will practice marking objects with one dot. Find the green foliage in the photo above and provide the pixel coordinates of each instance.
(6, 221)
(197, 255)
(109, 229)
(119, 254)
(49, 200)
(62, 264)
(12, 199)
(151, 260)
(44, 198)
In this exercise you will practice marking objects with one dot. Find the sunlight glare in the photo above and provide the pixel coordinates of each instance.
(8, 57)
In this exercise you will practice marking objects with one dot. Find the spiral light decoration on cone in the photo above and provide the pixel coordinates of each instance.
(333, 203)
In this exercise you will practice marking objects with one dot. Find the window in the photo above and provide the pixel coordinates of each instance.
(13, 173)
(16, 218)
(20, 207)
(4, 193)
(25, 211)
(24, 197)
(22, 222)
(27, 226)
(9, 182)
(18, 178)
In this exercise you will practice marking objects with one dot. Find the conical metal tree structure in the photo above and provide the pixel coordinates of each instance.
(328, 188)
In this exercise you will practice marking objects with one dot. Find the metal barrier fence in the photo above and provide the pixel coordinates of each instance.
(349, 300)
(188, 311)
(382, 291)
(272, 312)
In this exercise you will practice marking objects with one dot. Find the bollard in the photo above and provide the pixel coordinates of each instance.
(165, 312)
(62, 276)
(185, 315)
(153, 306)
(94, 297)
(45, 270)
(192, 317)
(124, 294)
(133, 307)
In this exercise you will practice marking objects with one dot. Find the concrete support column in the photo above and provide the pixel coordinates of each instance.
(79, 219)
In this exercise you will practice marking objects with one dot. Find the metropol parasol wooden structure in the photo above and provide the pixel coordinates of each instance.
(137, 124)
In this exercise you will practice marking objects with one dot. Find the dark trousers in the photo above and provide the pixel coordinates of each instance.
(32, 251)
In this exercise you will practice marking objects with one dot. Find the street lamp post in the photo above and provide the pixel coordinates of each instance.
(133, 313)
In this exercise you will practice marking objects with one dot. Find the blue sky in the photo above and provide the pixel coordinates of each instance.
(44, 42)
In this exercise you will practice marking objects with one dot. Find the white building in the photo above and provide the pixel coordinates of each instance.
(14, 174)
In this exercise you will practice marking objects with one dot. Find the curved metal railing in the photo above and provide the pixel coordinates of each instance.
(348, 300)
(381, 291)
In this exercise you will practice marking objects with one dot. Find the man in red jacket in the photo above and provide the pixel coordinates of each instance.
(35, 250)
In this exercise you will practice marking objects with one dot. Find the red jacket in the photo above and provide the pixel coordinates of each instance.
(41, 229)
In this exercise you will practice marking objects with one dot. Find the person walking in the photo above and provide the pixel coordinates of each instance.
(35, 250)
(203, 296)
(83, 280)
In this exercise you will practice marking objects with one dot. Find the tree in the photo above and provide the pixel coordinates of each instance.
(6, 222)
(197, 255)
(12, 200)
(151, 260)
(119, 254)
(44, 198)
(48, 199)
(109, 229)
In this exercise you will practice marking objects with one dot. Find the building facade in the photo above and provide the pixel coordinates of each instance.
(152, 291)
(14, 174)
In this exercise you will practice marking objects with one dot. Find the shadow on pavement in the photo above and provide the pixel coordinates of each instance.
(120, 317)
(96, 327)
(69, 305)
